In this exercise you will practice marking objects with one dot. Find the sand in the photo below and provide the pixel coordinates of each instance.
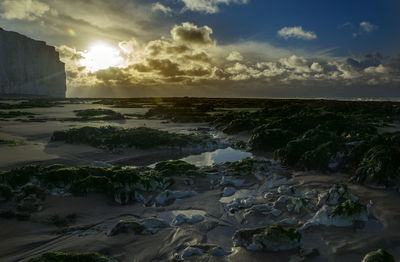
(22, 240)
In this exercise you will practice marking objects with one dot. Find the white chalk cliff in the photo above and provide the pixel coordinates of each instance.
(29, 67)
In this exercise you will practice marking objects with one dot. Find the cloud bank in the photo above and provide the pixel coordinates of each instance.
(190, 62)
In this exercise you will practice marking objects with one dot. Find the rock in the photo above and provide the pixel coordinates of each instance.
(289, 221)
(184, 194)
(276, 212)
(195, 219)
(282, 199)
(218, 252)
(226, 181)
(338, 193)
(30, 204)
(164, 198)
(30, 67)
(263, 207)
(342, 215)
(244, 236)
(269, 195)
(179, 220)
(379, 255)
(271, 238)
(125, 226)
(277, 238)
(229, 191)
(154, 224)
(192, 251)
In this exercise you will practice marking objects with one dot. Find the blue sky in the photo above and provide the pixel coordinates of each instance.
(260, 20)
(218, 47)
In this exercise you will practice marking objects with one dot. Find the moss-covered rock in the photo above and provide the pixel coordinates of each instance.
(243, 167)
(379, 255)
(348, 208)
(5, 192)
(271, 238)
(265, 138)
(32, 189)
(174, 168)
(115, 137)
(276, 238)
(380, 165)
(30, 204)
(125, 226)
(70, 257)
(97, 184)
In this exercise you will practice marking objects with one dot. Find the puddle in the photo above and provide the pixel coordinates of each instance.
(216, 157)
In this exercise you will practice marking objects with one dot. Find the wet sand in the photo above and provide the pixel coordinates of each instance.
(22, 240)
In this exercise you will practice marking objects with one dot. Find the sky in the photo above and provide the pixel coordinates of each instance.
(218, 48)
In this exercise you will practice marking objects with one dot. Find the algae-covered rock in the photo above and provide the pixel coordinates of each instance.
(342, 215)
(276, 238)
(174, 167)
(243, 167)
(348, 209)
(98, 184)
(265, 138)
(115, 137)
(32, 189)
(379, 255)
(70, 257)
(5, 192)
(271, 238)
(30, 204)
(380, 165)
(125, 226)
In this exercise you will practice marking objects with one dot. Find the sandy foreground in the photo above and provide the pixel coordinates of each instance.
(21, 240)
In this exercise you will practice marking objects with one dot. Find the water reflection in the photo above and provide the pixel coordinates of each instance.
(218, 156)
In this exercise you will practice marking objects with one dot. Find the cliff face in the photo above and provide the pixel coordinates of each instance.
(29, 67)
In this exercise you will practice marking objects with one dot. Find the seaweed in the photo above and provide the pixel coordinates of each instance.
(348, 208)
(174, 168)
(114, 137)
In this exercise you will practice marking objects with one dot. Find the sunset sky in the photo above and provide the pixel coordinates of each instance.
(246, 48)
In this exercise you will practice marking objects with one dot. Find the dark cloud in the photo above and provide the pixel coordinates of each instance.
(191, 34)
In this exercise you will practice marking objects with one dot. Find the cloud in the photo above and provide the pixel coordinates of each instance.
(367, 27)
(296, 32)
(158, 7)
(183, 64)
(23, 9)
(209, 6)
(234, 56)
(189, 33)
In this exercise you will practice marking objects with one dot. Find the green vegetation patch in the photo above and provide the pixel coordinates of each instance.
(379, 255)
(348, 208)
(13, 114)
(175, 168)
(114, 137)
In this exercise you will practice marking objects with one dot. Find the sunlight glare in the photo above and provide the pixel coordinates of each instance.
(100, 57)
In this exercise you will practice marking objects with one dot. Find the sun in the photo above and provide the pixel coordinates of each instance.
(100, 56)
